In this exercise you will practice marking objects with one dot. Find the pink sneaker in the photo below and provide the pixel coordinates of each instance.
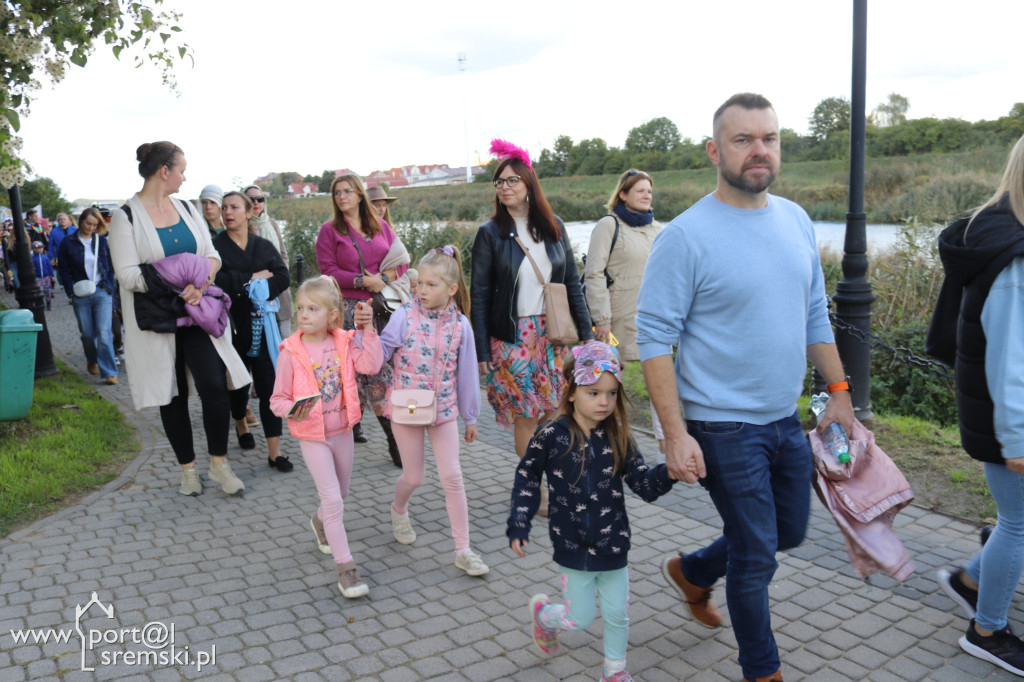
(621, 676)
(546, 640)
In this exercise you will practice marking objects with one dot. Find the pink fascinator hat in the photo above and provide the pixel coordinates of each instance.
(503, 149)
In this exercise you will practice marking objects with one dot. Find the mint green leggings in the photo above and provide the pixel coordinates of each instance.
(579, 608)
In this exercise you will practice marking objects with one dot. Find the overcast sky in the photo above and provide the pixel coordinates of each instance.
(315, 85)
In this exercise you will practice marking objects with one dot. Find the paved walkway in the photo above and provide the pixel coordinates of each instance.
(241, 577)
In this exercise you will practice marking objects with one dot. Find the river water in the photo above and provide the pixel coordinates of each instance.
(830, 235)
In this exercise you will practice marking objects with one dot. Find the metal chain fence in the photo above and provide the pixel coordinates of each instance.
(900, 353)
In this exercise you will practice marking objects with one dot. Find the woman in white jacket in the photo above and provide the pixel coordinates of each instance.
(149, 227)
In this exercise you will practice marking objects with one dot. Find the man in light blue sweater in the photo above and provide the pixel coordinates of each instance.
(736, 282)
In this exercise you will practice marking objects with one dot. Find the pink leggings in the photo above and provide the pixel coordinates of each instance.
(330, 463)
(444, 439)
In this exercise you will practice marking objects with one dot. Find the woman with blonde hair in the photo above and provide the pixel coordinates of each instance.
(363, 254)
(978, 326)
(619, 247)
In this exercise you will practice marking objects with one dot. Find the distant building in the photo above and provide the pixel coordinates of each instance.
(302, 189)
(420, 176)
(265, 180)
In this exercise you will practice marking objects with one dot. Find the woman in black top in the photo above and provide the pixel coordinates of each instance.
(246, 257)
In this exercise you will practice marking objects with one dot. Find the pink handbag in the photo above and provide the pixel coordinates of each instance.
(413, 406)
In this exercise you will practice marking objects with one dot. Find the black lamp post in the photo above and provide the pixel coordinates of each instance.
(28, 294)
(853, 294)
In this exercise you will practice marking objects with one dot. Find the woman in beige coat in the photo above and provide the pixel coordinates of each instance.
(619, 247)
(153, 227)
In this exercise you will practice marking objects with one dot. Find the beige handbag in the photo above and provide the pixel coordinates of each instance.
(561, 327)
(413, 406)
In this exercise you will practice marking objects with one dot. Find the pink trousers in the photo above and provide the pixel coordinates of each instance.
(330, 463)
(444, 439)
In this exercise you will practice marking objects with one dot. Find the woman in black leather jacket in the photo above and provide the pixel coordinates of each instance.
(523, 370)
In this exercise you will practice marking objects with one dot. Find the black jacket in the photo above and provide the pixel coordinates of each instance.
(973, 258)
(237, 267)
(586, 512)
(496, 261)
(71, 263)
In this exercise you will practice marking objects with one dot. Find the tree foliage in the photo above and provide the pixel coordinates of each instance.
(657, 135)
(830, 116)
(40, 38)
(46, 192)
(892, 112)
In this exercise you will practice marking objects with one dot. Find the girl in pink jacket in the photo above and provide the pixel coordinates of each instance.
(315, 389)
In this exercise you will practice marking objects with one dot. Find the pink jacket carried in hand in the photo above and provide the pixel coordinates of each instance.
(365, 360)
(864, 496)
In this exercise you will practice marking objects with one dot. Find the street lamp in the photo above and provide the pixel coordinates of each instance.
(853, 294)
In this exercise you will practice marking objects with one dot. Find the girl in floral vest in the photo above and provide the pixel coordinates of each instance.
(432, 343)
(321, 359)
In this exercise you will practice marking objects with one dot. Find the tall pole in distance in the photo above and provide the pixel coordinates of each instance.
(853, 294)
(28, 294)
(465, 115)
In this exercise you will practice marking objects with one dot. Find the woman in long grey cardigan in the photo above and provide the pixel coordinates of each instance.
(158, 363)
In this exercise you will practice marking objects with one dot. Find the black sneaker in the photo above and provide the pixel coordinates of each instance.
(964, 596)
(1001, 648)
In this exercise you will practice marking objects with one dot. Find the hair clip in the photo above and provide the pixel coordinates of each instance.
(446, 250)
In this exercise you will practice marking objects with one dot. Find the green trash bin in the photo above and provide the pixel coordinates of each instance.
(18, 332)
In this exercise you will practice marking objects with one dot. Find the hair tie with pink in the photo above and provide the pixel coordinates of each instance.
(446, 250)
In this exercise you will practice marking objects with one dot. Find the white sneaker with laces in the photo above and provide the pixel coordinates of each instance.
(190, 484)
(471, 563)
(226, 477)
(401, 526)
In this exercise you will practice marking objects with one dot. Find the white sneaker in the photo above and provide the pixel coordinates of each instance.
(349, 582)
(190, 483)
(226, 477)
(402, 528)
(471, 563)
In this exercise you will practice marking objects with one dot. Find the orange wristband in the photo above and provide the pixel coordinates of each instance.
(838, 386)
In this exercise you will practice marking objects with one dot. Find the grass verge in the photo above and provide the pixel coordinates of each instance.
(71, 443)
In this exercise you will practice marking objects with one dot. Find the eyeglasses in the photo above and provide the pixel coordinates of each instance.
(259, 200)
(510, 181)
(632, 171)
(344, 192)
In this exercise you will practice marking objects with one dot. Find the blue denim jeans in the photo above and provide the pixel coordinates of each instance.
(998, 566)
(759, 478)
(93, 314)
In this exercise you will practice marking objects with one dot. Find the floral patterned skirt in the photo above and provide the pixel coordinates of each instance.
(372, 387)
(527, 378)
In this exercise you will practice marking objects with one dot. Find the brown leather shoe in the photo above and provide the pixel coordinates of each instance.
(111, 381)
(698, 599)
(774, 677)
(92, 367)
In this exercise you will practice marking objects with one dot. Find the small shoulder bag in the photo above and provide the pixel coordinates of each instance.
(561, 327)
(418, 406)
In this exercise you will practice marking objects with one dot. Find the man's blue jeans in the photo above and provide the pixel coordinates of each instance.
(759, 478)
(93, 313)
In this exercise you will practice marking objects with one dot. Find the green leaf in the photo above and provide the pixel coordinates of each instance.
(117, 51)
(165, 36)
(175, 29)
(15, 101)
(181, 52)
(12, 116)
(79, 58)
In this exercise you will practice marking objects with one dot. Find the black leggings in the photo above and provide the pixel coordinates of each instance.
(194, 349)
(262, 368)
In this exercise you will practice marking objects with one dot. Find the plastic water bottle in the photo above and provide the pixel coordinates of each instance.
(834, 434)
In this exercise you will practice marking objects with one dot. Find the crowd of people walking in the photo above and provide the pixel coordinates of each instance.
(205, 295)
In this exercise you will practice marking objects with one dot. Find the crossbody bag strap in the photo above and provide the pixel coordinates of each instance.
(615, 237)
(532, 262)
(96, 255)
(362, 265)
